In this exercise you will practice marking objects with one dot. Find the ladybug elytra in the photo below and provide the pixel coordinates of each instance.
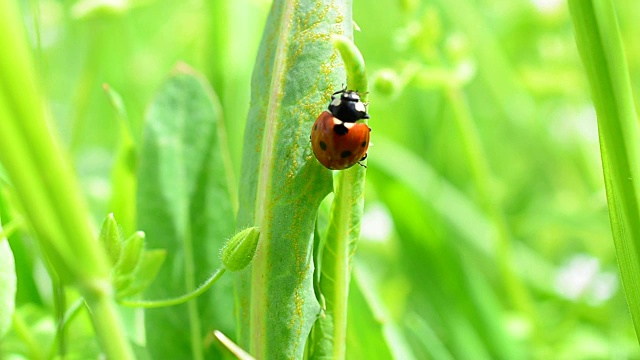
(338, 140)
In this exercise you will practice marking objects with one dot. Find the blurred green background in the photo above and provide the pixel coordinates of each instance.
(486, 231)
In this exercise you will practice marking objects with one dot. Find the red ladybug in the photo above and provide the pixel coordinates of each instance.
(338, 140)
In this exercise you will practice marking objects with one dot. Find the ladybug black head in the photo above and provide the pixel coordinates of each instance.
(348, 106)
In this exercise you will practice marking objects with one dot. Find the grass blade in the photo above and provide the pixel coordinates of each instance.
(600, 45)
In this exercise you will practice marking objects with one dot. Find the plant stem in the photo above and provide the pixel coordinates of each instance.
(481, 173)
(177, 300)
(106, 321)
(44, 182)
(346, 213)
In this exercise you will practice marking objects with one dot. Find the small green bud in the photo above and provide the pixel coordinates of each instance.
(111, 238)
(385, 82)
(131, 253)
(238, 252)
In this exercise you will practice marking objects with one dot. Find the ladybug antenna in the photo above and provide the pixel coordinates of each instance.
(344, 89)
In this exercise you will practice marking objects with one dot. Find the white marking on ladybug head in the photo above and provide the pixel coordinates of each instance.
(349, 125)
(336, 102)
(336, 121)
(360, 107)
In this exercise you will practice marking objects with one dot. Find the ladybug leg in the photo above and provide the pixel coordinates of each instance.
(360, 163)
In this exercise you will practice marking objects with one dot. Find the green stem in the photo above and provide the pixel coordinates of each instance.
(24, 333)
(354, 65)
(346, 211)
(106, 321)
(483, 179)
(44, 182)
(177, 300)
(68, 316)
(60, 302)
(517, 293)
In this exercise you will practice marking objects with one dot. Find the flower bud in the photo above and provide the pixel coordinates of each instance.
(385, 82)
(110, 238)
(131, 253)
(238, 252)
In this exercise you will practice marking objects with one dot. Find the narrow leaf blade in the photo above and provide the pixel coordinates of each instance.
(600, 46)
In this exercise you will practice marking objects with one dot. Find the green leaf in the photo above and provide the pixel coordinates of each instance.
(600, 45)
(282, 184)
(123, 175)
(184, 208)
(146, 271)
(7, 285)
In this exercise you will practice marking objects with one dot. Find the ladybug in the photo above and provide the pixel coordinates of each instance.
(338, 140)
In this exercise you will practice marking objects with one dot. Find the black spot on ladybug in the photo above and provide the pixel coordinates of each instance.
(316, 127)
(345, 154)
(364, 143)
(323, 146)
(340, 129)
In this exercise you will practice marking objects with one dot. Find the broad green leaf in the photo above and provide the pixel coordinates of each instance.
(282, 184)
(600, 45)
(7, 285)
(184, 207)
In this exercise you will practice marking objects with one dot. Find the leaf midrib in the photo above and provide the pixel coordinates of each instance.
(263, 191)
(185, 232)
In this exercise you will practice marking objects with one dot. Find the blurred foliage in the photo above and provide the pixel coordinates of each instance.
(486, 232)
